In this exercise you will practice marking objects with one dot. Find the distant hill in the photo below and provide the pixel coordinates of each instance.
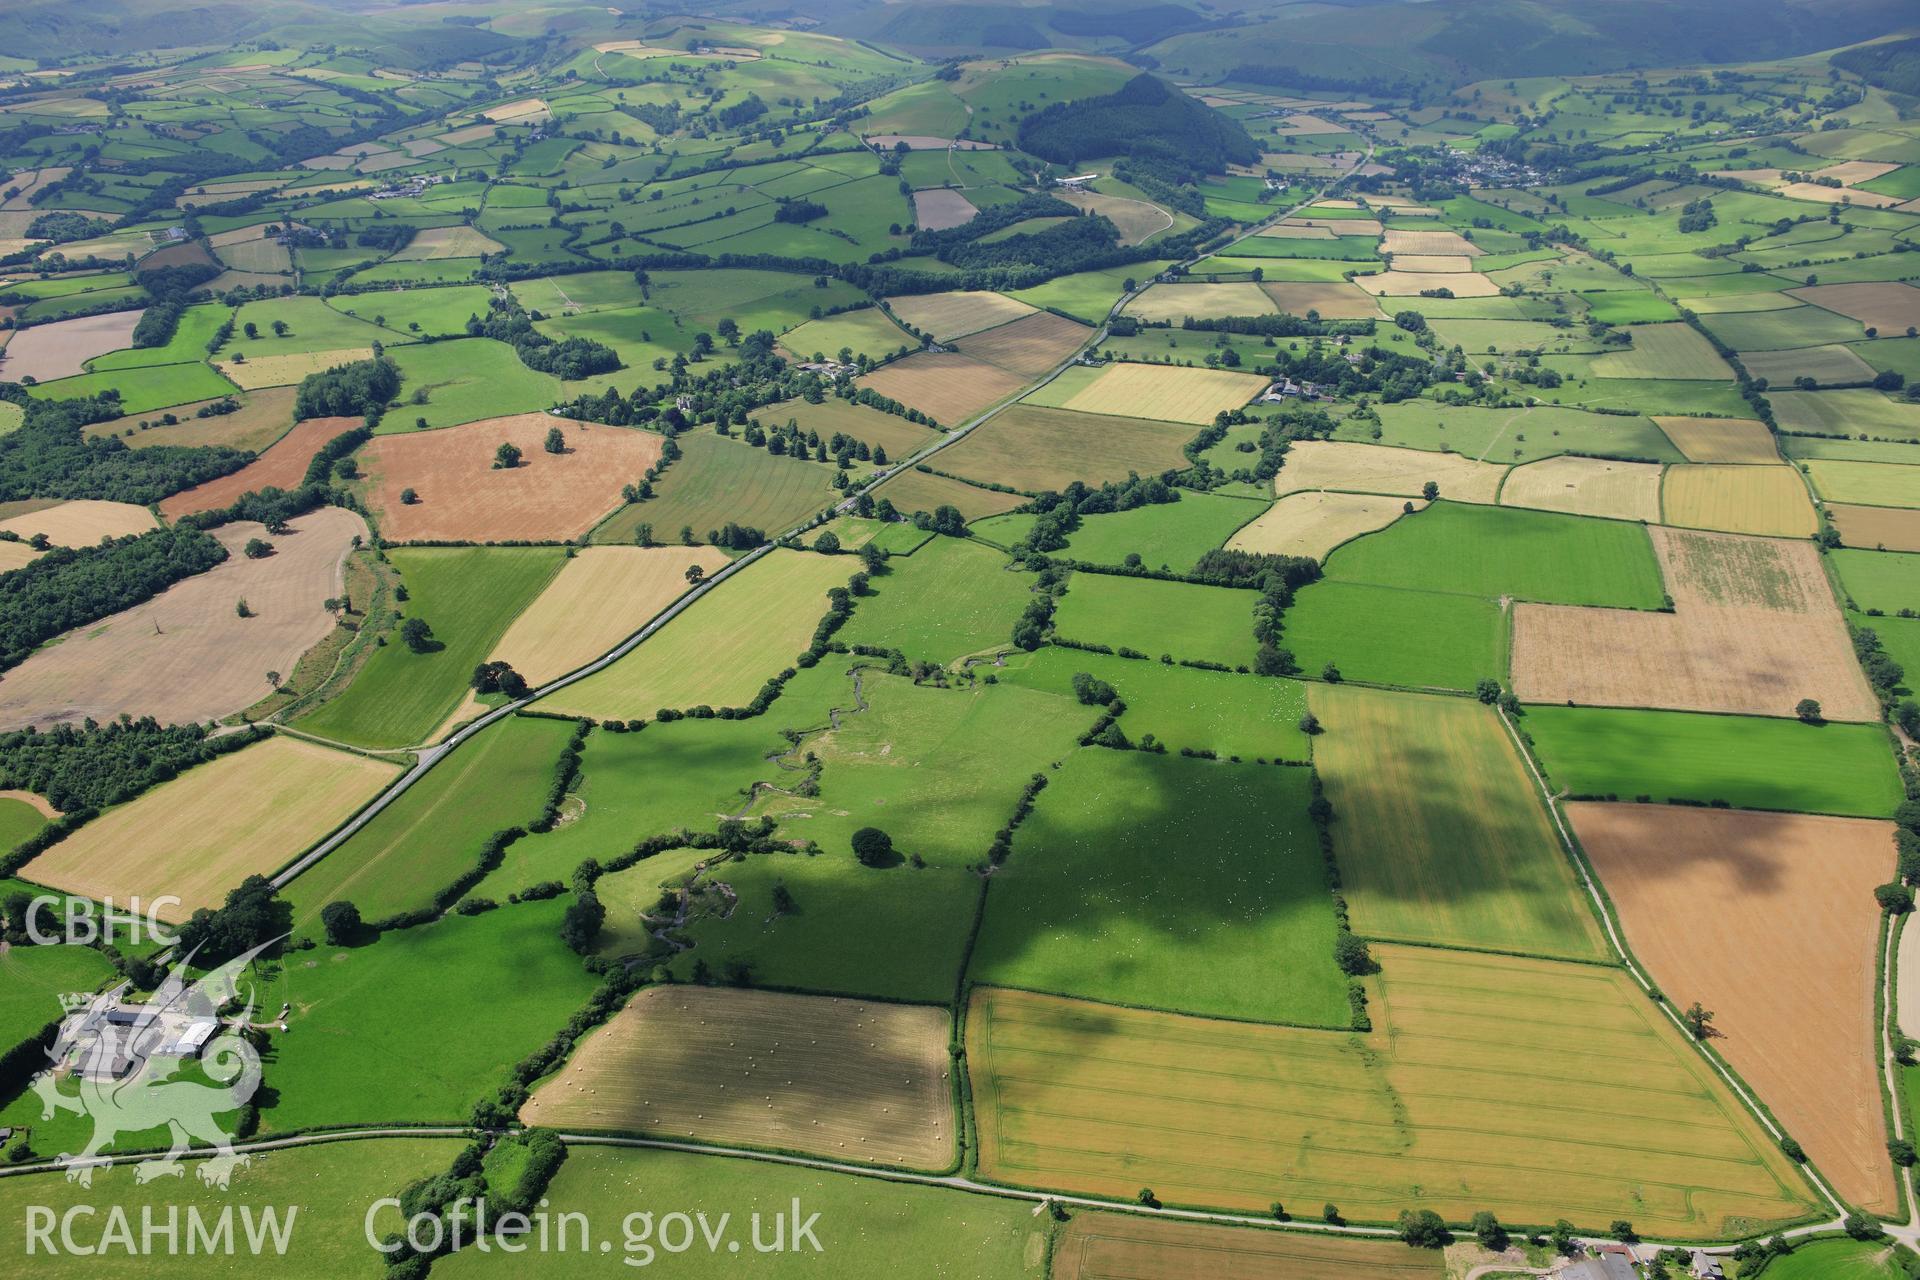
(1144, 117)
(1893, 65)
(57, 28)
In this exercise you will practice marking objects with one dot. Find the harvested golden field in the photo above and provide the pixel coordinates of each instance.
(1449, 243)
(923, 491)
(186, 655)
(1432, 262)
(263, 417)
(1340, 301)
(1372, 468)
(1785, 958)
(1338, 226)
(1886, 305)
(1035, 449)
(1592, 1107)
(1136, 220)
(1586, 487)
(463, 498)
(600, 597)
(1030, 346)
(955, 315)
(196, 837)
(837, 1077)
(1165, 392)
(82, 522)
(1888, 528)
(1176, 302)
(284, 371)
(282, 466)
(1771, 501)
(15, 554)
(950, 387)
(1744, 440)
(1407, 284)
(447, 242)
(1126, 1246)
(722, 649)
(1287, 231)
(1754, 630)
(61, 349)
(1314, 523)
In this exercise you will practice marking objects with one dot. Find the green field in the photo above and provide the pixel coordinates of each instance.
(1875, 484)
(469, 596)
(1439, 831)
(1847, 412)
(1089, 295)
(718, 481)
(1240, 926)
(1397, 635)
(1745, 761)
(141, 390)
(868, 1228)
(434, 312)
(433, 833)
(1885, 580)
(1504, 551)
(469, 379)
(312, 326)
(32, 980)
(868, 331)
(1512, 435)
(1835, 1259)
(1164, 535)
(949, 599)
(1209, 624)
(357, 1010)
(18, 820)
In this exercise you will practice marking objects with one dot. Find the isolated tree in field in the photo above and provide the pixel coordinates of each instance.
(506, 457)
(1310, 724)
(1330, 1213)
(1430, 490)
(1808, 710)
(827, 544)
(729, 330)
(1488, 691)
(420, 423)
(408, 497)
(695, 575)
(341, 920)
(1488, 1231)
(257, 549)
(1424, 1229)
(417, 635)
(556, 440)
(241, 609)
(1146, 1197)
(874, 847)
(279, 328)
(1699, 1020)
(580, 927)
(1091, 691)
(1895, 899)
(643, 535)
(251, 329)
(1330, 673)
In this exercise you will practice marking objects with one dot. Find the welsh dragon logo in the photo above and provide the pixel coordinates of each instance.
(125, 1059)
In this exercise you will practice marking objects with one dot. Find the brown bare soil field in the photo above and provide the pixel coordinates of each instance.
(1201, 301)
(196, 837)
(940, 209)
(919, 491)
(186, 655)
(842, 1078)
(955, 315)
(1888, 528)
(1432, 262)
(599, 598)
(263, 417)
(1029, 346)
(82, 522)
(1586, 487)
(1125, 1246)
(282, 466)
(1886, 305)
(1403, 284)
(1754, 630)
(284, 371)
(62, 349)
(1768, 919)
(1340, 301)
(1372, 468)
(1034, 448)
(463, 499)
(1770, 501)
(1449, 243)
(1743, 440)
(950, 388)
(1136, 220)
(1314, 523)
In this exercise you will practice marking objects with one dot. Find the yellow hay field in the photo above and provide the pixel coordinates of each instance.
(1754, 630)
(15, 554)
(1176, 302)
(82, 522)
(1372, 468)
(201, 834)
(1314, 523)
(955, 315)
(1432, 262)
(842, 1078)
(600, 597)
(519, 112)
(1738, 499)
(1744, 440)
(1339, 226)
(948, 387)
(1449, 1104)
(1586, 487)
(1111, 1246)
(1287, 231)
(1450, 243)
(1136, 220)
(1404, 284)
(1164, 392)
(447, 242)
(284, 371)
(1888, 528)
(1333, 301)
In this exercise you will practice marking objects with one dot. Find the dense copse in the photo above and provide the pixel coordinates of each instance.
(68, 587)
(1066, 244)
(252, 916)
(63, 226)
(1894, 64)
(986, 222)
(49, 456)
(1222, 567)
(156, 325)
(1279, 326)
(364, 387)
(92, 766)
(799, 210)
(1144, 117)
(1059, 513)
(1384, 374)
(390, 237)
(176, 282)
(568, 358)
